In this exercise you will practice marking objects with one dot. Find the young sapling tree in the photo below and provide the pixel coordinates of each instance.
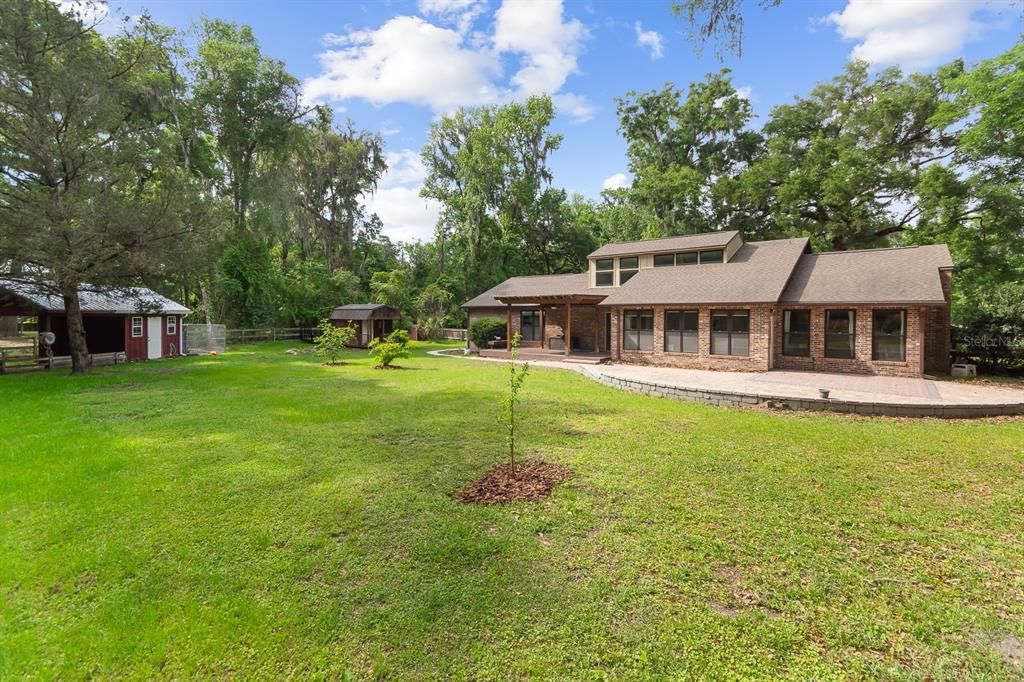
(333, 340)
(517, 374)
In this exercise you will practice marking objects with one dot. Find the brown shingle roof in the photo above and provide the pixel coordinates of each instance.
(365, 311)
(757, 273)
(707, 240)
(903, 275)
(538, 285)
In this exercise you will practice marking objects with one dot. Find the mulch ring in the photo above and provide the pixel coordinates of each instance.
(532, 482)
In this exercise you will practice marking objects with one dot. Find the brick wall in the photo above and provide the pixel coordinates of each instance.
(861, 363)
(937, 329)
(755, 361)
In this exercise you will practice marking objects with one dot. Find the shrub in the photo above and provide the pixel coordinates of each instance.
(332, 340)
(482, 331)
(395, 346)
(429, 328)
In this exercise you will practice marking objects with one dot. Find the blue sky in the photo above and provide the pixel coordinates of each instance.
(392, 67)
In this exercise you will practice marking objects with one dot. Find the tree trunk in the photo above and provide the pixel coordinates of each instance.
(80, 361)
(204, 294)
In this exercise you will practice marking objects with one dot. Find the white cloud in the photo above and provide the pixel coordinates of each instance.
(615, 182)
(409, 59)
(911, 34)
(576, 107)
(651, 40)
(744, 91)
(461, 13)
(405, 167)
(406, 60)
(548, 45)
(404, 214)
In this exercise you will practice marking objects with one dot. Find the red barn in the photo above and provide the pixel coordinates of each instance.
(134, 321)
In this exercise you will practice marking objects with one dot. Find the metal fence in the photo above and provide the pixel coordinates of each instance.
(204, 338)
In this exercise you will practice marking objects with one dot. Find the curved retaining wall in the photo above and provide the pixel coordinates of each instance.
(733, 399)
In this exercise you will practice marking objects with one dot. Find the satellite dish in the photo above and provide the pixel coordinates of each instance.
(48, 338)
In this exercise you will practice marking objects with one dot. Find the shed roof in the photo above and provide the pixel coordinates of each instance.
(95, 299)
(757, 273)
(706, 240)
(536, 285)
(365, 311)
(900, 275)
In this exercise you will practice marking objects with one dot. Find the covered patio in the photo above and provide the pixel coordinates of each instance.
(560, 325)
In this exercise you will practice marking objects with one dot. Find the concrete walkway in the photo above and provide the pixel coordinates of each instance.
(848, 393)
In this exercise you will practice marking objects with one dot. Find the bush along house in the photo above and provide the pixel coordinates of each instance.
(713, 301)
(123, 324)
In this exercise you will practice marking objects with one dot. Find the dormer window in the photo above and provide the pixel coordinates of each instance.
(605, 272)
(664, 260)
(627, 268)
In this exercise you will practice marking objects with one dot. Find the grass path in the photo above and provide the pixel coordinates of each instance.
(260, 515)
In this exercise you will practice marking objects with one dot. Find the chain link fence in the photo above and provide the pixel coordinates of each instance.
(204, 338)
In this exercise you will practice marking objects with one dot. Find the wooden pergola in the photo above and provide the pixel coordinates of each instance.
(566, 300)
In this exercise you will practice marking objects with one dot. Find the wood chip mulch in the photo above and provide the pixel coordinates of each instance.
(532, 482)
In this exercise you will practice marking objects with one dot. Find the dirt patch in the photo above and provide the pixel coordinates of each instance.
(1011, 648)
(533, 480)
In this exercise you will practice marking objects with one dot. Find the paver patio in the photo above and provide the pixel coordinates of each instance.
(804, 386)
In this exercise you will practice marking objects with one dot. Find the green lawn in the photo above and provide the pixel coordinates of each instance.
(260, 515)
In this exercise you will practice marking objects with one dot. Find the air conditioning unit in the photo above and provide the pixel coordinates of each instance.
(962, 370)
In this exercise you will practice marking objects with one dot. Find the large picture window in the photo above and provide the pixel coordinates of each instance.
(840, 333)
(681, 334)
(605, 272)
(627, 268)
(730, 332)
(889, 335)
(796, 332)
(529, 326)
(638, 330)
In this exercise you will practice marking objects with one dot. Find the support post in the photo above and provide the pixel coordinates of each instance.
(568, 327)
(508, 328)
(542, 345)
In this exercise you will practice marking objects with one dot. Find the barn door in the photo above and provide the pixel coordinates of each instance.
(154, 338)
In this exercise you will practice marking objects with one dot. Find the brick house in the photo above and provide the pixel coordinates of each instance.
(714, 301)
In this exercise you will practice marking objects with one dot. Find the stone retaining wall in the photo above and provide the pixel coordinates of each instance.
(733, 399)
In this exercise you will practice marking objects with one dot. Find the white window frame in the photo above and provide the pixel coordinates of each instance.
(172, 325)
(137, 331)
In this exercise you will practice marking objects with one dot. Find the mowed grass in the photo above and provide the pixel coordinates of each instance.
(260, 515)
